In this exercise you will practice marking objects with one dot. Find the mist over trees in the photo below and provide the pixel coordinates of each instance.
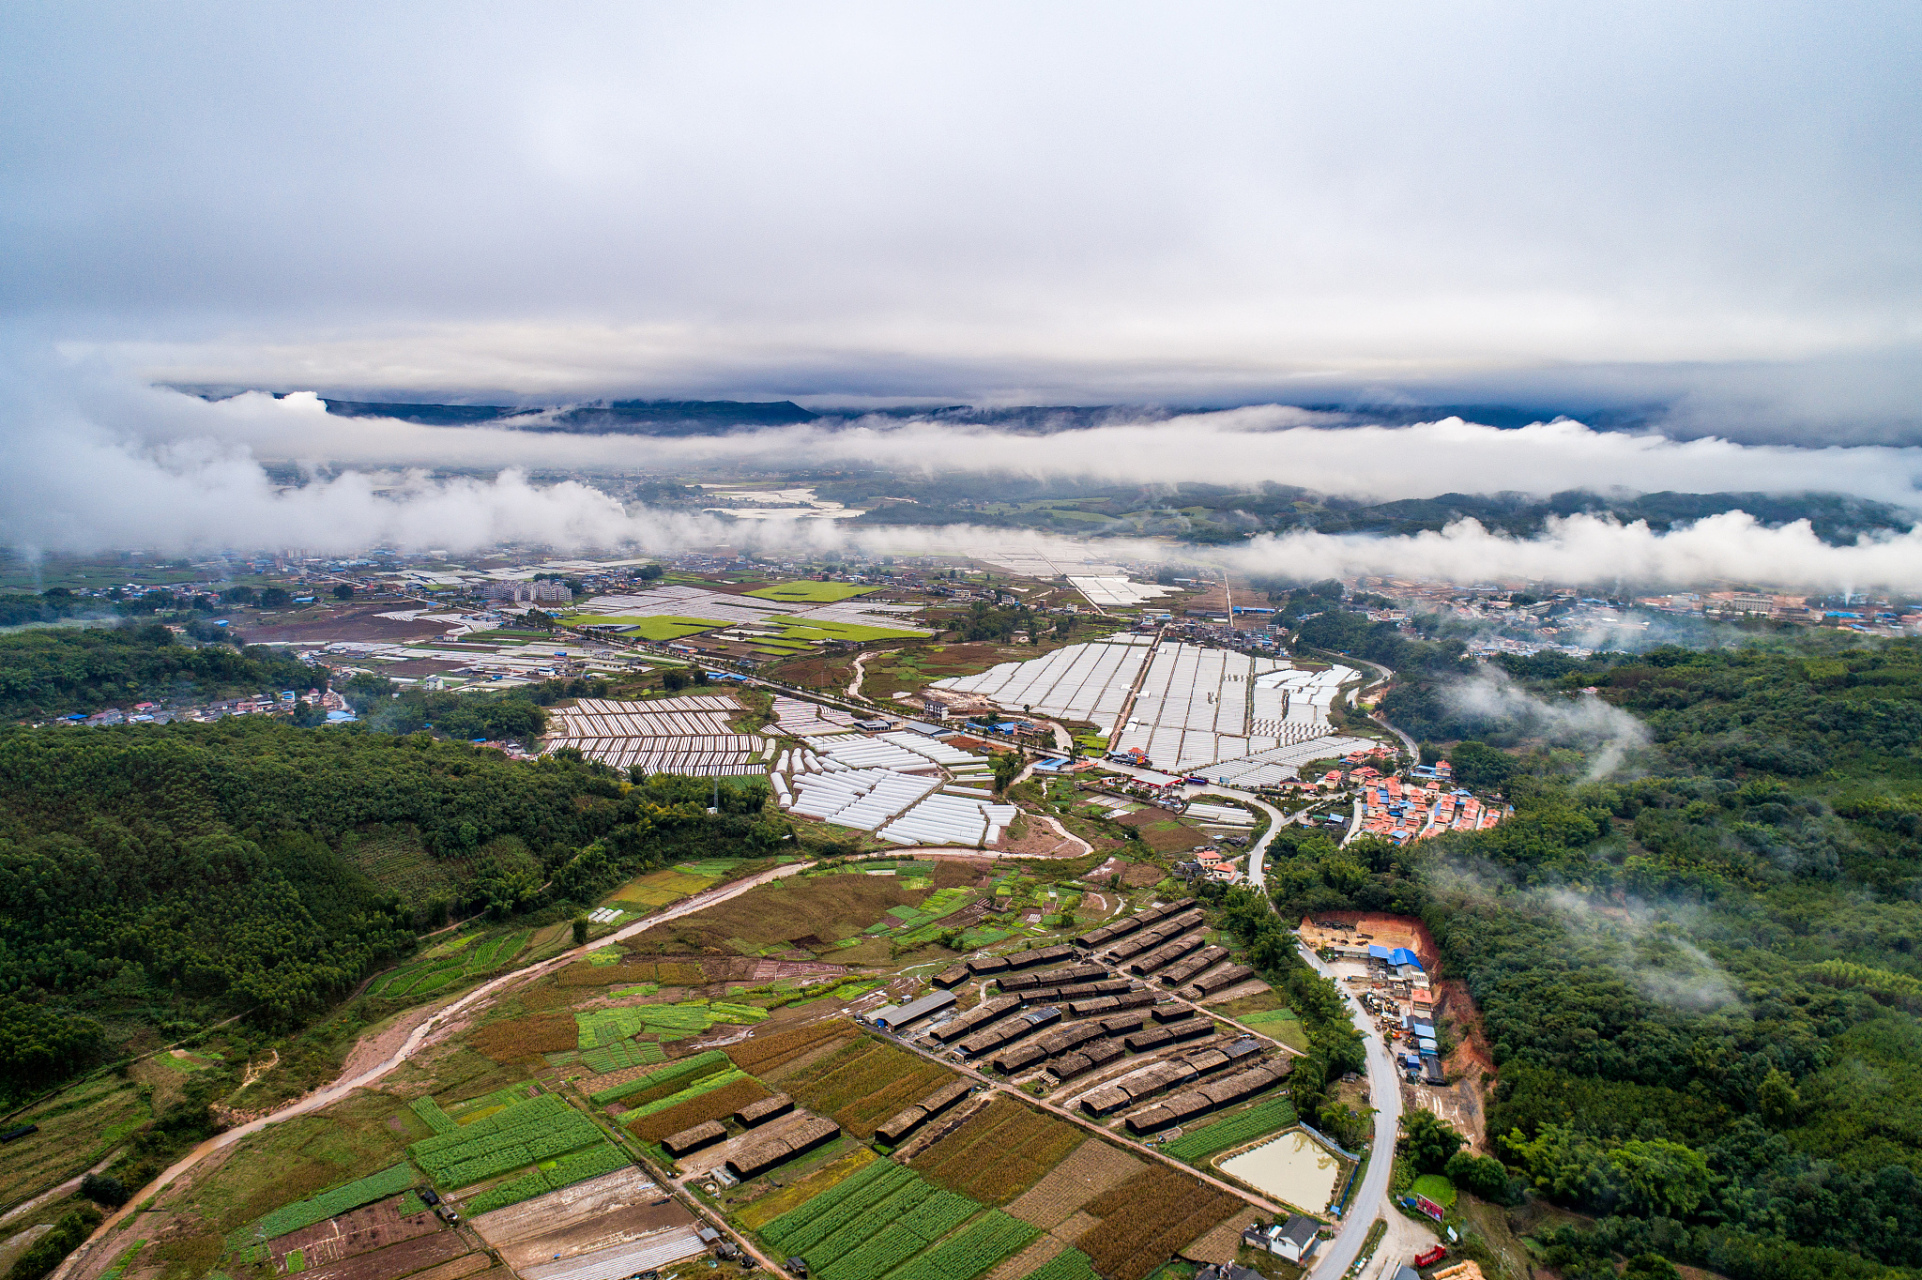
(1700, 981)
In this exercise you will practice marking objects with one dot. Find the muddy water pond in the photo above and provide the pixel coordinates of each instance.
(1292, 1167)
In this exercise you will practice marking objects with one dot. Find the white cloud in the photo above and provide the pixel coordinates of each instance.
(1012, 202)
(1584, 721)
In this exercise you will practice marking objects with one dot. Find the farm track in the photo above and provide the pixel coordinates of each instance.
(444, 1021)
(1088, 1126)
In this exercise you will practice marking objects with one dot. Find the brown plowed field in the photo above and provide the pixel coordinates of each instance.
(395, 1260)
(457, 1269)
(373, 1227)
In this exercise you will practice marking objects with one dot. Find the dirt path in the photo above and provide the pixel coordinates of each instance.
(1079, 1121)
(438, 1024)
(860, 672)
(1063, 832)
(66, 1188)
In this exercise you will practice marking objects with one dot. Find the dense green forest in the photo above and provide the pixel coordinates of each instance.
(63, 670)
(172, 875)
(1700, 978)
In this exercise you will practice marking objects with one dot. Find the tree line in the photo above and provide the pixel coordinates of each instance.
(1699, 985)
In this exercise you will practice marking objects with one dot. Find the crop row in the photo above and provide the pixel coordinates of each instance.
(695, 1090)
(428, 1110)
(1269, 1117)
(763, 1053)
(524, 1133)
(707, 1104)
(622, 1054)
(1069, 1264)
(1149, 1217)
(497, 951)
(872, 1183)
(987, 1240)
(864, 1083)
(352, 1195)
(689, 1068)
(999, 1151)
(578, 1167)
(877, 1256)
(855, 1235)
(939, 1214)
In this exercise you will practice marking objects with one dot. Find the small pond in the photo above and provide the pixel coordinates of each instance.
(1292, 1167)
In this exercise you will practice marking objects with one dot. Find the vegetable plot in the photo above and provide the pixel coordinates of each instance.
(525, 1133)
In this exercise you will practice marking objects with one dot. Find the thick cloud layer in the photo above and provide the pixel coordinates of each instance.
(1708, 205)
(105, 464)
(1243, 447)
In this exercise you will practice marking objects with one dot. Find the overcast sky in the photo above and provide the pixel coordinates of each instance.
(1711, 205)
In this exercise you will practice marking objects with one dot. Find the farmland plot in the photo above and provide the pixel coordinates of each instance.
(1094, 1168)
(864, 1083)
(665, 1080)
(514, 1038)
(713, 1100)
(1147, 1218)
(998, 1152)
(523, 1134)
(763, 1054)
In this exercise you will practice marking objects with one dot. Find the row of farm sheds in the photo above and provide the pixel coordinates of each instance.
(753, 1158)
(1065, 1009)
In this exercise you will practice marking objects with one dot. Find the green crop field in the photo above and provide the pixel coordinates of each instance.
(816, 629)
(525, 1133)
(592, 1162)
(687, 1069)
(812, 592)
(1268, 1117)
(657, 628)
(885, 1220)
(305, 1213)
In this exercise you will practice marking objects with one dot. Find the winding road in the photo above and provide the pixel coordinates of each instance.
(1384, 1091)
(443, 1021)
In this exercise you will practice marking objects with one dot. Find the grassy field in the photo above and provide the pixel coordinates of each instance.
(816, 629)
(806, 911)
(656, 628)
(657, 889)
(76, 1129)
(1436, 1188)
(812, 592)
(395, 858)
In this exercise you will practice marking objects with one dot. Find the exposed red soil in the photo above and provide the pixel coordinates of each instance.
(1393, 931)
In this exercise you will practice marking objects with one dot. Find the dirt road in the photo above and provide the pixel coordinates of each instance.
(441, 1022)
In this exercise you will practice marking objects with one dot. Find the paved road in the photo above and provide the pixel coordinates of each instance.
(1258, 853)
(1384, 1088)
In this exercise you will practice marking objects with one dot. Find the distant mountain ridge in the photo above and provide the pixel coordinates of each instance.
(614, 417)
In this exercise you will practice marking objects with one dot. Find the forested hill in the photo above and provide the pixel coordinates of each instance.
(62, 671)
(183, 873)
(1700, 979)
